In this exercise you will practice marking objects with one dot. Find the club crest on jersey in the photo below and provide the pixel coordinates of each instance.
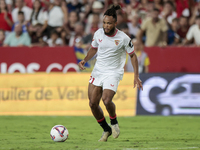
(117, 42)
(100, 40)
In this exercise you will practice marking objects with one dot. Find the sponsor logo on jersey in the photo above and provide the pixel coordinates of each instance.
(112, 85)
(117, 42)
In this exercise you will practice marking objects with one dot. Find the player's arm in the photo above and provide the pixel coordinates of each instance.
(134, 62)
(90, 54)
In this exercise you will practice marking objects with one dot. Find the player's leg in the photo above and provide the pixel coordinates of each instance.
(110, 106)
(110, 87)
(95, 94)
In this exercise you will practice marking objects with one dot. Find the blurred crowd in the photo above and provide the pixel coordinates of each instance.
(73, 22)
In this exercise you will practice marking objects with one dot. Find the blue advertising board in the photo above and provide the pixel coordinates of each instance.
(169, 94)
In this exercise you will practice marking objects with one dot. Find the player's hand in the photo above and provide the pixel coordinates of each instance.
(81, 64)
(138, 82)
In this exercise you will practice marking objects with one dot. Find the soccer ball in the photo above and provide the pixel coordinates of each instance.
(59, 133)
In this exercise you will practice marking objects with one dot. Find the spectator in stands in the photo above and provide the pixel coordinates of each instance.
(95, 24)
(63, 5)
(79, 32)
(117, 2)
(65, 36)
(38, 16)
(86, 10)
(143, 59)
(5, 17)
(56, 18)
(134, 4)
(20, 6)
(21, 20)
(45, 3)
(156, 30)
(120, 19)
(97, 8)
(168, 12)
(158, 4)
(124, 27)
(180, 6)
(37, 36)
(129, 12)
(143, 5)
(17, 38)
(195, 12)
(134, 26)
(73, 19)
(183, 29)
(87, 39)
(9, 4)
(74, 5)
(131, 9)
(184, 7)
(2, 37)
(148, 12)
(142, 8)
(54, 39)
(194, 33)
(172, 36)
(29, 3)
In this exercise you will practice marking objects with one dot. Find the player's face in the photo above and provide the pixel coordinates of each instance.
(109, 24)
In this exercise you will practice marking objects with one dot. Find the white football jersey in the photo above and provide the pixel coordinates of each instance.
(111, 54)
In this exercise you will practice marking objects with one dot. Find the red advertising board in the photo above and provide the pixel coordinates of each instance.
(174, 59)
(63, 59)
(29, 60)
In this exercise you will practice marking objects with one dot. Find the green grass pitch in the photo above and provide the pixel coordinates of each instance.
(137, 133)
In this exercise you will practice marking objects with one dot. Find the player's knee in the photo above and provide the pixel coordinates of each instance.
(93, 105)
(106, 101)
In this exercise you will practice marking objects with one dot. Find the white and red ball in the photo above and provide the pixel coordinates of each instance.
(59, 133)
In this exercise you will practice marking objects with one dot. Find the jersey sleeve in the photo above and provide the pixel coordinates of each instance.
(94, 43)
(129, 46)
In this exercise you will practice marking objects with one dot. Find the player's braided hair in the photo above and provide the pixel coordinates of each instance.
(112, 11)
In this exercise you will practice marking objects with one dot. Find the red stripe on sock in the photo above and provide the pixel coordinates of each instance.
(100, 120)
(113, 117)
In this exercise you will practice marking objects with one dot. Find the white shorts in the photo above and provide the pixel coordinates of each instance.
(105, 81)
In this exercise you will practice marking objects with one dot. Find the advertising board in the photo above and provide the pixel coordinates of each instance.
(58, 94)
(169, 94)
